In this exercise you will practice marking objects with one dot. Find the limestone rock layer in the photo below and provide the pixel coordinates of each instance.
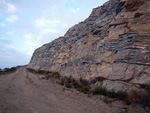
(113, 43)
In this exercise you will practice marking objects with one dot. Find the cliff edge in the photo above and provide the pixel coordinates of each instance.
(112, 44)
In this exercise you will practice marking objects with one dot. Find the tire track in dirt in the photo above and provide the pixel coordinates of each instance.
(23, 92)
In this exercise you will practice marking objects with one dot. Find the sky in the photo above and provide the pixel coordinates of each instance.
(26, 25)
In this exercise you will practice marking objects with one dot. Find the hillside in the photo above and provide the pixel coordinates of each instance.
(112, 44)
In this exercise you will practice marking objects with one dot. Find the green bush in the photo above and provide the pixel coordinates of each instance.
(85, 90)
(84, 82)
(47, 73)
(83, 86)
(112, 94)
(42, 78)
(47, 77)
(126, 110)
(69, 79)
(96, 91)
(79, 87)
(56, 75)
(41, 72)
(75, 84)
(9, 69)
(62, 82)
(123, 96)
(134, 97)
(68, 85)
(32, 70)
(100, 91)
(12, 69)
(6, 69)
(105, 99)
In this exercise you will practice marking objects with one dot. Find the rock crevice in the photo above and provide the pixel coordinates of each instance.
(113, 43)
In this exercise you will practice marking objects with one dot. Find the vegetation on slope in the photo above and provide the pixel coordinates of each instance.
(7, 70)
(83, 86)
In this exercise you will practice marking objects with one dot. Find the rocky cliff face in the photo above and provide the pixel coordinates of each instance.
(113, 44)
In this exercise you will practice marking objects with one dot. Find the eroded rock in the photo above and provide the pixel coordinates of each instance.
(113, 43)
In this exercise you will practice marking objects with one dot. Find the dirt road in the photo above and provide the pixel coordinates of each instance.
(23, 92)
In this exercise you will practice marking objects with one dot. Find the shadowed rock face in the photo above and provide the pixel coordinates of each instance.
(113, 43)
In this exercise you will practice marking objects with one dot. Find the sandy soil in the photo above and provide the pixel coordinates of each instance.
(23, 92)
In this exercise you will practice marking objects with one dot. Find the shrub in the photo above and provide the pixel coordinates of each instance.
(112, 94)
(31, 70)
(96, 91)
(47, 77)
(79, 88)
(62, 82)
(100, 91)
(89, 95)
(75, 84)
(42, 78)
(123, 96)
(9, 69)
(134, 96)
(69, 79)
(55, 75)
(12, 69)
(105, 99)
(84, 82)
(68, 85)
(64, 89)
(47, 73)
(41, 72)
(85, 90)
(6, 69)
(126, 110)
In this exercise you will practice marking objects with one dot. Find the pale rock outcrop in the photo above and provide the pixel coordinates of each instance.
(112, 43)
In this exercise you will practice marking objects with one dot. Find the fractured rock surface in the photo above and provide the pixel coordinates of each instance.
(112, 43)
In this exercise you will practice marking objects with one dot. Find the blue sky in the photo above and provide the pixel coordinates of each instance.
(28, 24)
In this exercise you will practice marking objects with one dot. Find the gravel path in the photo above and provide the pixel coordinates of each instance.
(23, 92)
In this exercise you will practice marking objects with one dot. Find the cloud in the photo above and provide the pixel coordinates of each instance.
(37, 40)
(13, 18)
(75, 10)
(31, 43)
(28, 36)
(64, 26)
(46, 32)
(2, 25)
(5, 41)
(44, 22)
(46, 36)
(9, 56)
(10, 8)
(10, 33)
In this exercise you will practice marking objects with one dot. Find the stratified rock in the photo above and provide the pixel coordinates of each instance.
(113, 43)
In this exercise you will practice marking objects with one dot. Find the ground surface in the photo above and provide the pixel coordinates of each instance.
(23, 92)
